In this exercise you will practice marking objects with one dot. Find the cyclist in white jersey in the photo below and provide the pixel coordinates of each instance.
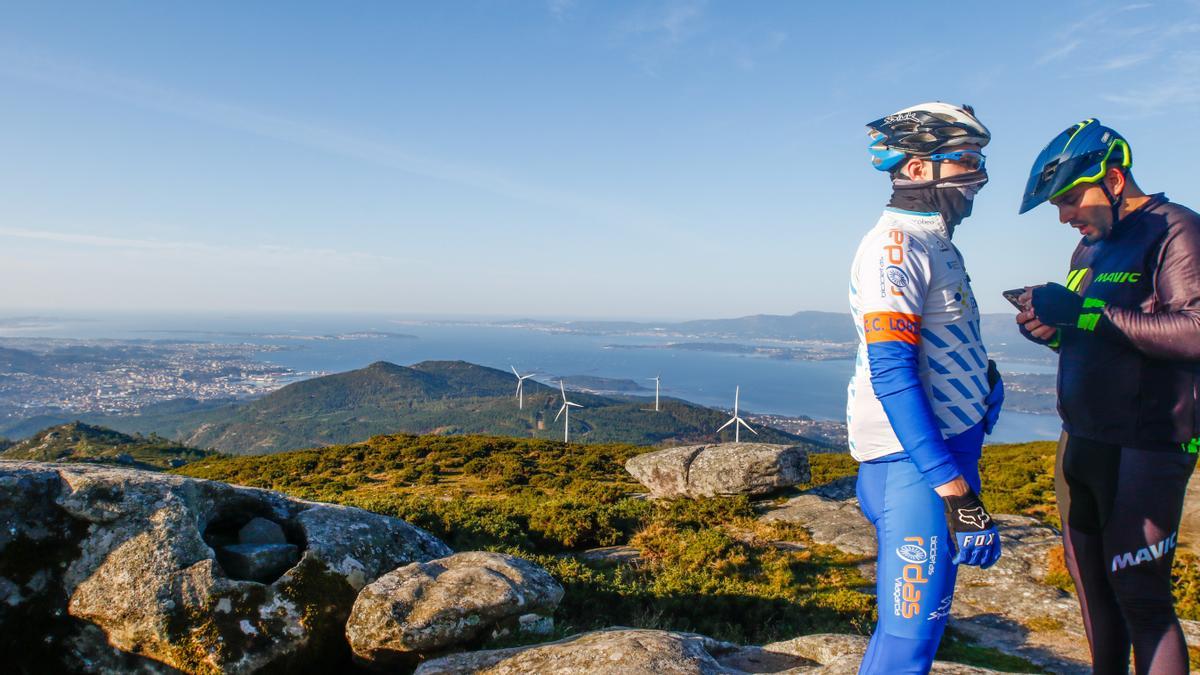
(924, 392)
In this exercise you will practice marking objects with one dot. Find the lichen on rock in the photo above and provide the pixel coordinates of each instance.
(427, 607)
(128, 552)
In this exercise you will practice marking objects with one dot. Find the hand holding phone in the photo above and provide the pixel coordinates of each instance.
(1013, 296)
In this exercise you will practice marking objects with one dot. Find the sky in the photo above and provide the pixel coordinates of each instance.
(554, 159)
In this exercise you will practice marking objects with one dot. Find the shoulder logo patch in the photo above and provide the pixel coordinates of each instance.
(897, 276)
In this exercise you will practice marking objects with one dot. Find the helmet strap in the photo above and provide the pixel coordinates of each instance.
(1114, 203)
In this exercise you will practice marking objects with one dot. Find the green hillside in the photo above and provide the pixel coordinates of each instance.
(432, 397)
(79, 442)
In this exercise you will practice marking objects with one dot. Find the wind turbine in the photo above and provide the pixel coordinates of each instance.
(566, 408)
(520, 383)
(657, 381)
(740, 422)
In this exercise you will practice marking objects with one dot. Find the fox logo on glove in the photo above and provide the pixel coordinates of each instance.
(975, 516)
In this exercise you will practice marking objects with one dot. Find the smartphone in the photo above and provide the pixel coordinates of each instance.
(1013, 296)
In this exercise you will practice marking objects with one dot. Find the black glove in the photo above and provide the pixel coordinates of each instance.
(1055, 305)
(994, 399)
(976, 539)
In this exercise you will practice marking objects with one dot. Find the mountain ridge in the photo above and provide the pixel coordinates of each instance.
(80, 442)
(430, 397)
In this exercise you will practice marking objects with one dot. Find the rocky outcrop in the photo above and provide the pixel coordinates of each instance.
(426, 607)
(625, 651)
(1189, 523)
(612, 651)
(721, 469)
(1007, 607)
(94, 558)
(831, 514)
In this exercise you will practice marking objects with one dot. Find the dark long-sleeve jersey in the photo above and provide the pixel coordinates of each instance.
(1129, 371)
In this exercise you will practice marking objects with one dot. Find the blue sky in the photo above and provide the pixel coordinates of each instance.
(567, 158)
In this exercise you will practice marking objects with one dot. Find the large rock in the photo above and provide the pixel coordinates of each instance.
(425, 607)
(1189, 524)
(831, 514)
(721, 469)
(625, 651)
(261, 531)
(842, 654)
(616, 651)
(98, 564)
(263, 563)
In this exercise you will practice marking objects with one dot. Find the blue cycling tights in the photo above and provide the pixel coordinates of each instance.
(914, 585)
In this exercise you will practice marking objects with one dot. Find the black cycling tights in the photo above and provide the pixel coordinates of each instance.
(1120, 509)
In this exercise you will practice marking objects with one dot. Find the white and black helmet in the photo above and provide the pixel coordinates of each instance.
(922, 130)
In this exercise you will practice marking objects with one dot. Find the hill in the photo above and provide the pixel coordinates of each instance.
(709, 566)
(79, 442)
(439, 397)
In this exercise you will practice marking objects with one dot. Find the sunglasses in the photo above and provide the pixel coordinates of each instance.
(969, 158)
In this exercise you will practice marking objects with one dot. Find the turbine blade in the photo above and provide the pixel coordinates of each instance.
(574, 405)
(748, 427)
(514, 369)
(725, 425)
(562, 389)
(560, 410)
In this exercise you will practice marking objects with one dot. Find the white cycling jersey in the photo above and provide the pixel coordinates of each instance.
(906, 270)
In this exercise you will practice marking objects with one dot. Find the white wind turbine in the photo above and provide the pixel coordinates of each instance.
(657, 381)
(566, 408)
(739, 421)
(520, 384)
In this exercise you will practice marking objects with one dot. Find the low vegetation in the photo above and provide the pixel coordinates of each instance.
(79, 442)
(707, 566)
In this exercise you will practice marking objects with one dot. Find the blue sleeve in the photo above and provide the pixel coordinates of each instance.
(897, 385)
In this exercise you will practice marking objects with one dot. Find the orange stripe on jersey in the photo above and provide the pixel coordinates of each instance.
(892, 326)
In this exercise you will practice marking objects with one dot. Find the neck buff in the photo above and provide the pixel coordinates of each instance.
(952, 197)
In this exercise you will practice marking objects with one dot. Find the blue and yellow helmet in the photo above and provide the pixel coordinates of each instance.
(1080, 154)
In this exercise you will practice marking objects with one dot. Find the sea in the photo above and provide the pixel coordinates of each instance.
(816, 389)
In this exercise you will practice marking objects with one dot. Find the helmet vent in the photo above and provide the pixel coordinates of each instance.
(1048, 171)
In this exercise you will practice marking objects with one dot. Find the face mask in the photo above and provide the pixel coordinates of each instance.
(952, 197)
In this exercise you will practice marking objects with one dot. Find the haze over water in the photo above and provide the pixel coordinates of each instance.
(793, 388)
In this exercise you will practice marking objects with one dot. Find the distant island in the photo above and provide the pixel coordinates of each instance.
(812, 351)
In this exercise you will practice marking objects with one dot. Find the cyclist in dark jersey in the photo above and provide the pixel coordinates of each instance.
(1127, 329)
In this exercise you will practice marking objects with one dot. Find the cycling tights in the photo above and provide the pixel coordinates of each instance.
(1120, 510)
(915, 579)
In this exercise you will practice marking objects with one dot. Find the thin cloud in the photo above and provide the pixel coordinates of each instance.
(668, 24)
(157, 245)
(1179, 88)
(1176, 30)
(1123, 62)
(560, 8)
(1059, 52)
(36, 67)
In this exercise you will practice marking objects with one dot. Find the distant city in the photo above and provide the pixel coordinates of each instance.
(107, 376)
